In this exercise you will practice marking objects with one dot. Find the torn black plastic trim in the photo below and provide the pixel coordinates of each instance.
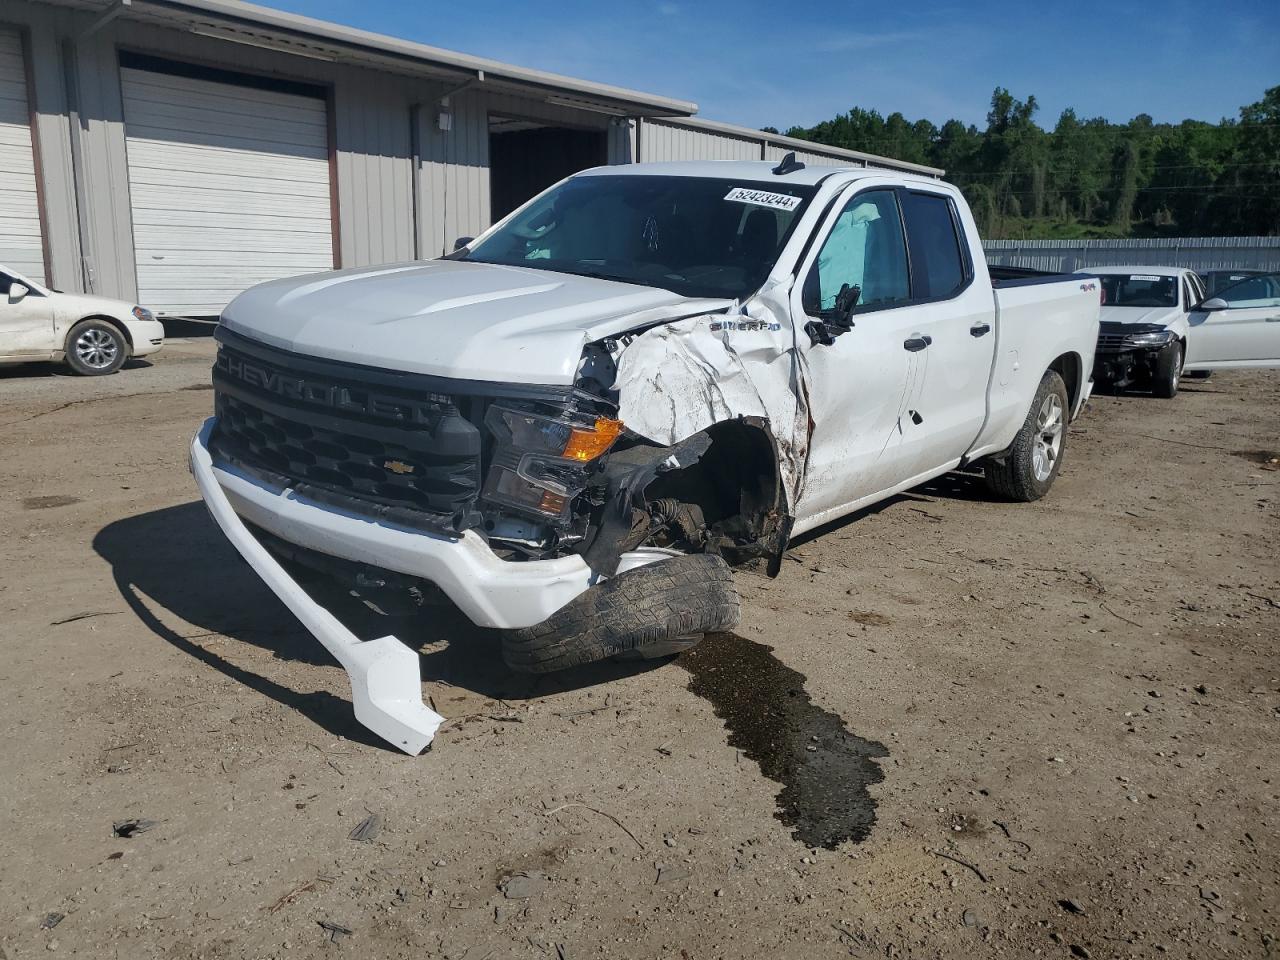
(626, 475)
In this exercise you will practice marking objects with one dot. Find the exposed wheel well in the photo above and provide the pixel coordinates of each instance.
(729, 502)
(1069, 367)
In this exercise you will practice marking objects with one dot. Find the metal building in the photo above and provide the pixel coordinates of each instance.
(174, 152)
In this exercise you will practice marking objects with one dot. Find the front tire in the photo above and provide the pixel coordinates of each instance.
(647, 612)
(1028, 468)
(1164, 381)
(96, 348)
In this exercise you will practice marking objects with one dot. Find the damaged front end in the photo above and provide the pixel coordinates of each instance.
(687, 436)
(1128, 353)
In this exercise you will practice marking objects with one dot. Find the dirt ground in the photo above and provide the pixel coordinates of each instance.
(1048, 729)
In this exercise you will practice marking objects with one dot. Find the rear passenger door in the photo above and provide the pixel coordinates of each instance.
(957, 316)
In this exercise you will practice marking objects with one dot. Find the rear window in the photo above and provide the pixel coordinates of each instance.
(937, 261)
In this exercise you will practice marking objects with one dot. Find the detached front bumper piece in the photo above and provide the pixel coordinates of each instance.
(386, 683)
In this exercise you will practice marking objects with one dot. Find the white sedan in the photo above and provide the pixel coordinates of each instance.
(94, 335)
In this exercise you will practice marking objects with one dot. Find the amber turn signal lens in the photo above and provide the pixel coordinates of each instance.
(585, 445)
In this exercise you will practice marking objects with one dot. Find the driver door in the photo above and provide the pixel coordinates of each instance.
(1246, 333)
(861, 385)
(26, 322)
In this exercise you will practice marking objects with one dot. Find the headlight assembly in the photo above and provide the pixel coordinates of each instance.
(142, 313)
(540, 463)
(1155, 338)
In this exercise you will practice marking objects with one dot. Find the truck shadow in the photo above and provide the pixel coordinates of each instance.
(176, 559)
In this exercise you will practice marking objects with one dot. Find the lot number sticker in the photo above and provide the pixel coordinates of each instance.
(763, 198)
(1145, 277)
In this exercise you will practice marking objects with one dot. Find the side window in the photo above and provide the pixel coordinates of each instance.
(939, 266)
(865, 248)
(1261, 291)
(5, 280)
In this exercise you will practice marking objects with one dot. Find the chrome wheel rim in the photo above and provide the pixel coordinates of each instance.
(1050, 425)
(97, 349)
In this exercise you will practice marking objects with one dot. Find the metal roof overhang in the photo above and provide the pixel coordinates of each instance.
(791, 143)
(319, 40)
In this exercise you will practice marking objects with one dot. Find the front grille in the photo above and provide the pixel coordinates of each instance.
(326, 430)
(1110, 341)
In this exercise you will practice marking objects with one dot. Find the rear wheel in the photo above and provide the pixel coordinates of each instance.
(96, 348)
(1028, 468)
(651, 611)
(1164, 381)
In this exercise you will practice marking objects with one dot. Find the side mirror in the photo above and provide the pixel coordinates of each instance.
(461, 242)
(837, 320)
(1214, 303)
(18, 292)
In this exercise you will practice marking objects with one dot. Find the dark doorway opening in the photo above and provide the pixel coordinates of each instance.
(526, 157)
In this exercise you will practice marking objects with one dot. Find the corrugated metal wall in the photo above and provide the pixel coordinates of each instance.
(775, 153)
(79, 113)
(370, 125)
(664, 141)
(1195, 253)
(387, 210)
(453, 188)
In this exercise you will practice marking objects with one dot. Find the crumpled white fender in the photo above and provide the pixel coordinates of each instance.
(680, 378)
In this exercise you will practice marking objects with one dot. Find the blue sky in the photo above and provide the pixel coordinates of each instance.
(785, 63)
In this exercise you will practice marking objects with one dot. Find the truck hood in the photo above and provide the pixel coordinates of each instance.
(1159, 316)
(452, 318)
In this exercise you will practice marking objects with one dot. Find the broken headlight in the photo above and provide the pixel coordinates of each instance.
(540, 463)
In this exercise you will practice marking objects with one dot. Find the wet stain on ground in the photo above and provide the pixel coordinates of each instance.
(869, 618)
(1269, 459)
(198, 386)
(46, 503)
(825, 770)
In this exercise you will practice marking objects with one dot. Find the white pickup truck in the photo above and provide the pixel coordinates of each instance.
(575, 424)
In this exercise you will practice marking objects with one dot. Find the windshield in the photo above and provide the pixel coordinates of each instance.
(1139, 290)
(696, 236)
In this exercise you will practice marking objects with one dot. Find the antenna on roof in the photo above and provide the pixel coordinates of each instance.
(789, 164)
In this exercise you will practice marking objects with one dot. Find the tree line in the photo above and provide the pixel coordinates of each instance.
(1089, 177)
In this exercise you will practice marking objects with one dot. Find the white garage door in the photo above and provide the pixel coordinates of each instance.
(229, 187)
(21, 247)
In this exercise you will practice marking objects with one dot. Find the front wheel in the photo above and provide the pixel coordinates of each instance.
(1164, 381)
(96, 348)
(1026, 471)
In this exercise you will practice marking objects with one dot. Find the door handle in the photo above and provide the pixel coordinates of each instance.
(979, 329)
(1273, 319)
(916, 344)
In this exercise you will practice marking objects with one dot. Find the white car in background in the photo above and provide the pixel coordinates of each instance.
(94, 335)
(1145, 323)
(1238, 327)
